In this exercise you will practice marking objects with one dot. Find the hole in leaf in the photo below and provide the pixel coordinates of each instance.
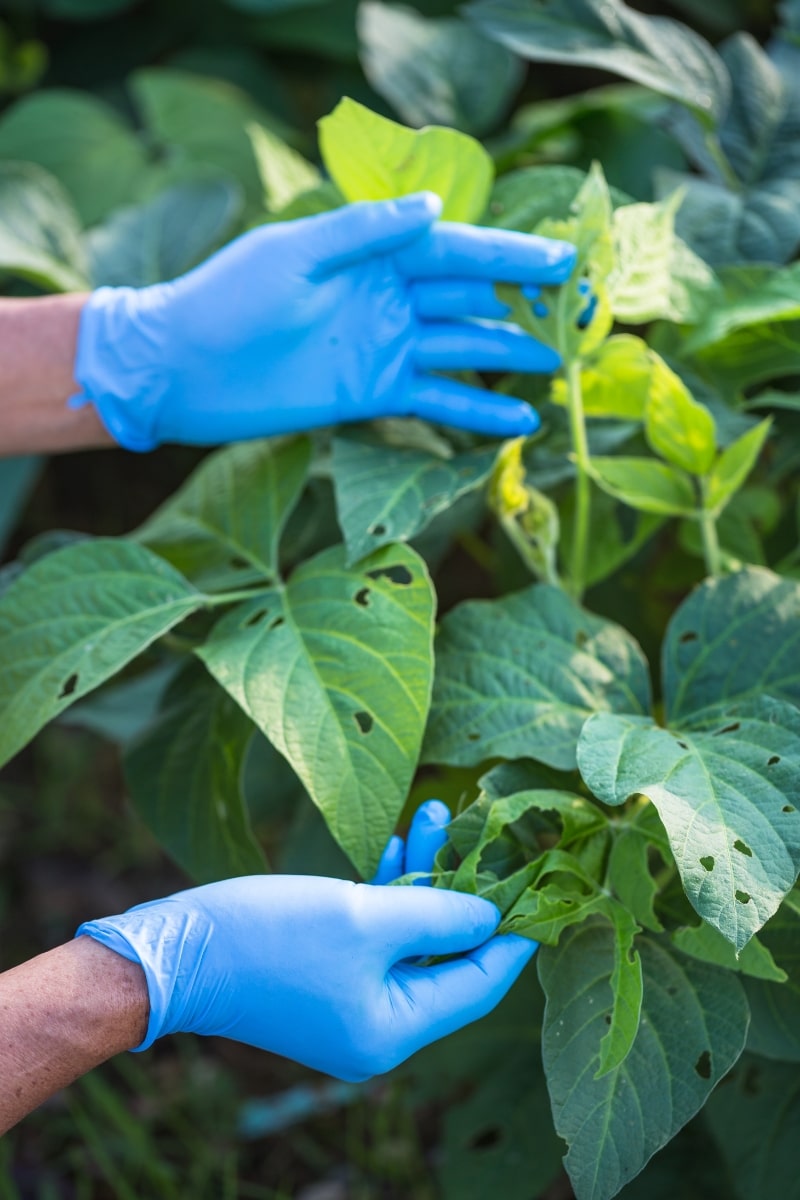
(734, 725)
(486, 1138)
(703, 1065)
(672, 990)
(238, 563)
(473, 737)
(362, 597)
(278, 621)
(607, 1018)
(683, 745)
(708, 862)
(776, 758)
(377, 530)
(752, 1081)
(742, 847)
(743, 897)
(364, 721)
(399, 575)
(257, 616)
(69, 687)
(581, 637)
(689, 636)
(788, 808)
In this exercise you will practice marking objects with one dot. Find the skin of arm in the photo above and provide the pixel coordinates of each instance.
(62, 1014)
(37, 352)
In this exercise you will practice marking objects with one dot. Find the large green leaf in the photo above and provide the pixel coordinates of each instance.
(285, 174)
(646, 484)
(83, 142)
(335, 667)
(692, 1030)
(161, 238)
(75, 618)
(517, 677)
(435, 71)
(39, 231)
(371, 158)
(184, 777)
(728, 792)
(733, 639)
(386, 494)
(749, 296)
(222, 528)
(676, 426)
(775, 1007)
(606, 34)
(754, 1118)
(522, 199)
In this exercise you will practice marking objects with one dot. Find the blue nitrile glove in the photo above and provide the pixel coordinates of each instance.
(338, 317)
(317, 969)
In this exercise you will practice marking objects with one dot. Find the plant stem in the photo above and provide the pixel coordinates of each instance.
(708, 527)
(729, 176)
(583, 496)
(241, 594)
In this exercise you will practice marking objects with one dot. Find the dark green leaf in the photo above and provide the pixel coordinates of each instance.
(75, 618)
(184, 777)
(17, 478)
(692, 1030)
(775, 1007)
(517, 677)
(336, 668)
(387, 495)
(39, 230)
(706, 943)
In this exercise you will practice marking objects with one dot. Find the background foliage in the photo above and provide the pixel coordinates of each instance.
(622, 750)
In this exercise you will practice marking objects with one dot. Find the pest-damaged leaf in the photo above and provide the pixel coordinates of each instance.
(528, 516)
(183, 774)
(435, 71)
(692, 1029)
(222, 528)
(676, 426)
(39, 231)
(75, 618)
(372, 158)
(606, 34)
(517, 677)
(386, 494)
(335, 668)
(615, 380)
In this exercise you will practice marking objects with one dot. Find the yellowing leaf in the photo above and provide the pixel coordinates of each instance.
(677, 427)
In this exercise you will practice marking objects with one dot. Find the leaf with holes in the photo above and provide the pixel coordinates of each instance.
(727, 790)
(183, 773)
(692, 1029)
(335, 667)
(75, 618)
(517, 677)
(371, 158)
(222, 528)
(387, 494)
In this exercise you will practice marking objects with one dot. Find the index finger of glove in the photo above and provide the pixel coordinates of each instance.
(472, 252)
(423, 922)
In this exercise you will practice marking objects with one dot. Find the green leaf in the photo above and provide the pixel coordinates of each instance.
(727, 791)
(202, 121)
(385, 494)
(677, 427)
(517, 677)
(734, 465)
(628, 873)
(285, 174)
(335, 668)
(435, 71)
(646, 484)
(642, 284)
(371, 158)
(162, 238)
(732, 640)
(39, 231)
(183, 775)
(754, 1119)
(750, 296)
(75, 618)
(706, 943)
(692, 1030)
(522, 199)
(775, 1007)
(222, 528)
(655, 51)
(81, 141)
(627, 987)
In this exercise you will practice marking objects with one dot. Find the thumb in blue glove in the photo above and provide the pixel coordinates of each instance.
(318, 969)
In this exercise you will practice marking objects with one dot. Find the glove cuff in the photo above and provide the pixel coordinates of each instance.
(168, 945)
(119, 362)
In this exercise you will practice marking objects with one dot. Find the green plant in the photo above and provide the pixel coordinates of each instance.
(646, 833)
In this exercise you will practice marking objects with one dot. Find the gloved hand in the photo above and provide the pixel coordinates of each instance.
(317, 969)
(338, 317)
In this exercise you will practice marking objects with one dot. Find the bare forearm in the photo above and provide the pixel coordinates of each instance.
(62, 1014)
(37, 352)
